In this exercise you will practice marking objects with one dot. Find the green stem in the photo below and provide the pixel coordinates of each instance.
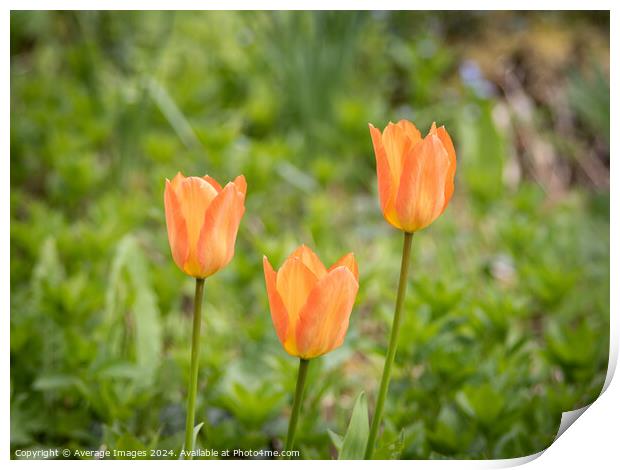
(391, 353)
(193, 375)
(299, 394)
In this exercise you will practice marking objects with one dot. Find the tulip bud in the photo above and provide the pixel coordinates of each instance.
(310, 305)
(202, 220)
(415, 174)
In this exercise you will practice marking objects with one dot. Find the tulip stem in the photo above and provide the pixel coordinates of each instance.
(391, 353)
(299, 394)
(193, 375)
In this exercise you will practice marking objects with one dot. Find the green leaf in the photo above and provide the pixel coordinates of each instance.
(336, 439)
(354, 442)
(481, 402)
(147, 334)
(119, 370)
(197, 429)
(449, 433)
(391, 450)
(59, 382)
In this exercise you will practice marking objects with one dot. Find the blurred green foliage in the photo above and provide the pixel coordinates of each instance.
(507, 313)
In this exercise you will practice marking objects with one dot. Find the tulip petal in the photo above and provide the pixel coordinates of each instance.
(449, 147)
(177, 180)
(216, 244)
(241, 184)
(177, 228)
(411, 131)
(212, 182)
(421, 193)
(279, 315)
(324, 320)
(383, 168)
(310, 260)
(195, 196)
(396, 144)
(294, 282)
(348, 261)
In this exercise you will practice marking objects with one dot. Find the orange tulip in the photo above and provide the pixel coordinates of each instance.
(310, 305)
(415, 174)
(202, 220)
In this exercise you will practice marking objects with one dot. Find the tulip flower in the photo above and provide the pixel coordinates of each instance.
(416, 182)
(310, 309)
(311, 305)
(202, 220)
(415, 174)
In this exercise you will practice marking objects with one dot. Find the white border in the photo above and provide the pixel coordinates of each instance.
(592, 441)
(297, 5)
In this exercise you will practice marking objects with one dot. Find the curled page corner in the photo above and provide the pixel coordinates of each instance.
(515, 461)
(569, 417)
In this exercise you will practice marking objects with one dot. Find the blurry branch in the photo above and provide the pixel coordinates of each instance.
(538, 156)
(585, 155)
(589, 97)
(593, 169)
(173, 114)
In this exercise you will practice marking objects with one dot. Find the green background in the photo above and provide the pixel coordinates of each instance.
(506, 321)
